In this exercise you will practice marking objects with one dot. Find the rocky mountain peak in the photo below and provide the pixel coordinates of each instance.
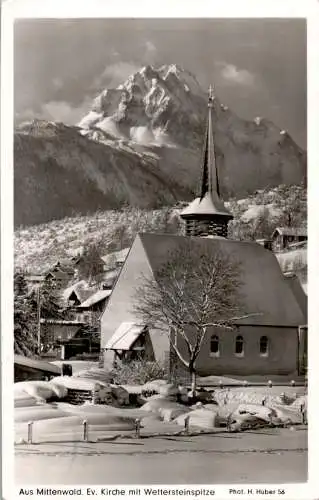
(161, 100)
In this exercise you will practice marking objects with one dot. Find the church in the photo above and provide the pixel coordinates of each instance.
(268, 344)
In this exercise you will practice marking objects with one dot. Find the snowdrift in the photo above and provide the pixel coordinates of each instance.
(202, 418)
(40, 390)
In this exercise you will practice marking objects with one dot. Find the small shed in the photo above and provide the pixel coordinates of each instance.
(283, 237)
(129, 342)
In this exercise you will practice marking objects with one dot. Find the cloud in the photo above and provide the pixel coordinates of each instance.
(62, 111)
(115, 73)
(25, 115)
(57, 111)
(233, 74)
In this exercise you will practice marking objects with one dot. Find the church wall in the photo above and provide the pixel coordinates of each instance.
(282, 358)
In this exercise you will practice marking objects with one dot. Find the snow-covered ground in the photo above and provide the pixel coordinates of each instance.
(292, 259)
(236, 407)
(277, 457)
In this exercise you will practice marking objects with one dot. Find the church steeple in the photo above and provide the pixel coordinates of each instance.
(207, 214)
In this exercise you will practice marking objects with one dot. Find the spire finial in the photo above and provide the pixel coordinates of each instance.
(211, 96)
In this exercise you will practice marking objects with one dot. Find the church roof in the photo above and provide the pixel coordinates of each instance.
(298, 292)
(265, 291)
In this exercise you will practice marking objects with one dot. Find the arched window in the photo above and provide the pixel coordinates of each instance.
(214, 345)
(264, 345)
(239, 345)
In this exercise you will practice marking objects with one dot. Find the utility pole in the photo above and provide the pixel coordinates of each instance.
(39, 319)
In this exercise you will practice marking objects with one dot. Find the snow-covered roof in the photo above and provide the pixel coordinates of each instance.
(290, 231)
(73, 288)
(298, 245)
(125, 336)
(34, 277)
(95, 298)
(119, 257)
(81, 289)
(60, 275)
(69, 322)
(208, 205)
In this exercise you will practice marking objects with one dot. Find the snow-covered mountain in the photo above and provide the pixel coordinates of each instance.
(153, 107)
(140, 145)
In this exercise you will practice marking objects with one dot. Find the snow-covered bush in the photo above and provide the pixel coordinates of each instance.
(137, 372)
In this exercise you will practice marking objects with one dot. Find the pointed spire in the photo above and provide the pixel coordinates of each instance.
(210, 181)
(207, 214)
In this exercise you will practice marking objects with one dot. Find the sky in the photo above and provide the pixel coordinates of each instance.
(258, 66)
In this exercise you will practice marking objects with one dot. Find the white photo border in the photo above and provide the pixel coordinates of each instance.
(12, 10)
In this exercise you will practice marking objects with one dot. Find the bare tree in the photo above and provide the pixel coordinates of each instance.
(197, 288)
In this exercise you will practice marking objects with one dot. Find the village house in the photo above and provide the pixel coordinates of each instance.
(59, 279)
(76, 293)
(60, 274)
(287, 237)
(53, 330)
(86, 341)
(91, 309)
(67, 338)
(82, 292)
(84, 305)
(268, 344)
